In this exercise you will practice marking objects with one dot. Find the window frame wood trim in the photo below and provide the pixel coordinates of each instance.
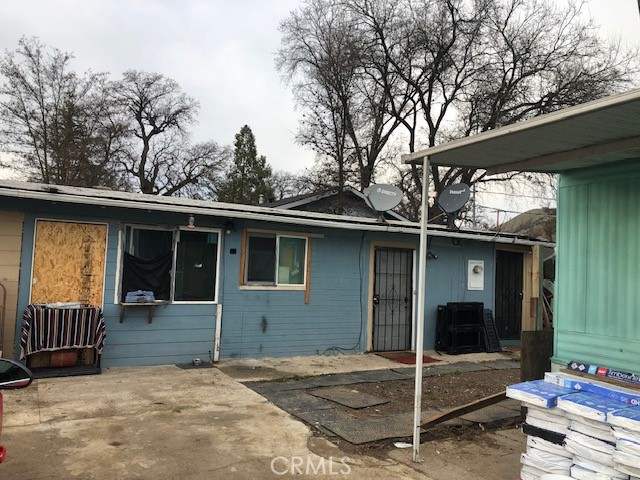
(246, 232)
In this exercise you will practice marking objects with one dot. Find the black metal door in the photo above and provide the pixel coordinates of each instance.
(508, 311)
(392, 299)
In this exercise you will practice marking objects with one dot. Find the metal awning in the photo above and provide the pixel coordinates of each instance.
(602, 131)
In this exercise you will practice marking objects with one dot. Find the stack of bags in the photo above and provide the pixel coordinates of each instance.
(590, 439)
(583, 428)
(626, 430)
(546, 427)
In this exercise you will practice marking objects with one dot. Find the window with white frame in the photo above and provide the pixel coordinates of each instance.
(273, 259)
(177, 265)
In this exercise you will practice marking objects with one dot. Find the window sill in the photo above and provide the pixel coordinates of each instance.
(272, 287)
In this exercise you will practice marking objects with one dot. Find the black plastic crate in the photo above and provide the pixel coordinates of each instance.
(466, 313)
(459, 328)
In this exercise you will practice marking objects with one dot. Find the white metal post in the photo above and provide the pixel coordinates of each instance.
(422, 281)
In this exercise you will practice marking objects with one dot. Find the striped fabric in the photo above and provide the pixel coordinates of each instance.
(46, 328)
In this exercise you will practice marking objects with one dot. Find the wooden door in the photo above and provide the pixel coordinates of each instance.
(68, 262)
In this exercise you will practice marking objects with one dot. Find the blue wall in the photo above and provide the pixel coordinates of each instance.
(178, 333)
(260, 323)
(278, 323)
(447, 278)
(263, 323)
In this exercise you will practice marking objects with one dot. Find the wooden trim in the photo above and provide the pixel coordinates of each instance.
(284, 233)
(243, 256)
(388, 244)
(528, 320)
(307, 273)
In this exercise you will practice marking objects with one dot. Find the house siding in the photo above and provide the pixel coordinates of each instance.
(447, 278)
(259, 323)
(178, 333)
(10, 245)
(268, 323)
(597, 301)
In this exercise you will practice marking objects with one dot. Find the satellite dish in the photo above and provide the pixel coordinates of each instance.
(383, 197)
(454, 197)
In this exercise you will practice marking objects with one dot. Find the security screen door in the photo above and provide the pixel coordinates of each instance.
(392, 299)
(508, 311)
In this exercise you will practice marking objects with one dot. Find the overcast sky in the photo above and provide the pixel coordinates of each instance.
(220, 51)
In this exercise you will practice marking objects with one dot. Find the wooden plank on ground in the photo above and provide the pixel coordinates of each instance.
(464, 409)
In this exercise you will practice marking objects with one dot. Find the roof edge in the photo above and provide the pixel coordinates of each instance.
(546, 119)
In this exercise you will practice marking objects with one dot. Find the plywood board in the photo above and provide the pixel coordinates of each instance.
(68, 262)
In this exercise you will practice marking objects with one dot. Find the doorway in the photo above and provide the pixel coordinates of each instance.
(509, 294)
(392, 299)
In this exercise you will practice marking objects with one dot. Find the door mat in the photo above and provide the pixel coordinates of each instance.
(512, 348)
(349, 397)
(408, 358)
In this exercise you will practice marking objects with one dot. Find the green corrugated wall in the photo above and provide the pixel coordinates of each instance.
(598, 267)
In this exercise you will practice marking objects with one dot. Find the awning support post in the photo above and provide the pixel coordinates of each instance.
(422, 279)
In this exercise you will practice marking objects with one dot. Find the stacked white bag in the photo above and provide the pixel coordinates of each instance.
(543, 456)
(590, 439)
(626, 430)
(591, 429)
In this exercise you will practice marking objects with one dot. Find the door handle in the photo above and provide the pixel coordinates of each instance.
(376, 299)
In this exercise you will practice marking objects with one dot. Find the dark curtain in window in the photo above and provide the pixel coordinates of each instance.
(153, 275)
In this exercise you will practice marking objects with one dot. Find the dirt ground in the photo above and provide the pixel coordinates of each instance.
(441, 392)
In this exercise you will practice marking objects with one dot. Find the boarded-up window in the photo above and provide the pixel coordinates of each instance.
(68, 262)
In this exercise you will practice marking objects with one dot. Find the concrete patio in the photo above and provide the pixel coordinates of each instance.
(168, 422)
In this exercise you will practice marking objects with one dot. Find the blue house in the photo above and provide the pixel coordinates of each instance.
(236, 281)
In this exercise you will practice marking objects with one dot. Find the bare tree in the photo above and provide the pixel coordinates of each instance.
(287, 184)
(529, 58)
(158, 113)
(331, 62)
(446, 69)
(192, 170)
(55, 122)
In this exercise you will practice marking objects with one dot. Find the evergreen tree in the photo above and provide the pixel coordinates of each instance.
(249, 176)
